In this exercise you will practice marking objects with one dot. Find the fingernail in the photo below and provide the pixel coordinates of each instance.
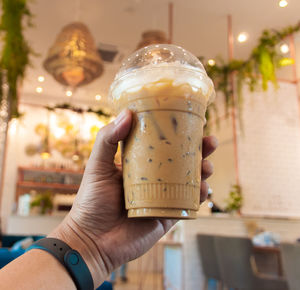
(215, 142)
(120, 117)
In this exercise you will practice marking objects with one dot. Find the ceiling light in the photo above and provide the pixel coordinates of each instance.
(69, 93)
(41, 79)
(98, 97)
(45, 155)
(153, 37)
(75, 157)
(73, 59)
(284, 48)
(211, 62)
(242, 37)
(39, 90)
(283, 3)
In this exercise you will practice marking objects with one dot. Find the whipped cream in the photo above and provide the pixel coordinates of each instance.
(133, 79)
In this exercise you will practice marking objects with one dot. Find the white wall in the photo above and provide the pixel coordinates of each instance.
(223, 161)
(269, 152)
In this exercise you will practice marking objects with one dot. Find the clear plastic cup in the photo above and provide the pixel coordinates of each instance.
(168, 90)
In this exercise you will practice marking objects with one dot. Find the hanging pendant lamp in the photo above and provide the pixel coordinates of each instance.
(73, 60)
(153, 37)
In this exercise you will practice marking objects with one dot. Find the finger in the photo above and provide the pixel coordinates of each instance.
(119, 166)
(209, 145)
(207, 169)
(204, 191)
(106, 143)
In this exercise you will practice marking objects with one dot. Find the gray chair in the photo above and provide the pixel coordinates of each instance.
(209, 261)
(290, 254)
(238, 268)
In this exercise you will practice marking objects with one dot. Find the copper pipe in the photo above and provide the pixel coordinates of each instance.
(3, 158)
(3, 171)
(230, 37)
(295, 75)
(233, 111)
(171, 6)
(287, 81)
(293, 56)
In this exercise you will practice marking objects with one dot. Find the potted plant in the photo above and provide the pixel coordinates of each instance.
(234, 200)
(43, 202)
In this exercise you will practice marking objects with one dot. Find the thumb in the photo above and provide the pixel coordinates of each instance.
(106, 144)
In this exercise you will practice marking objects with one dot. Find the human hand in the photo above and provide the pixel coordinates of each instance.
(97, 225)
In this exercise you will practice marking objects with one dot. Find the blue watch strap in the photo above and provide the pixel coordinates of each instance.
(70, 259)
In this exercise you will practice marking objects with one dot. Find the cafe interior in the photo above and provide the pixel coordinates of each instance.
(247, 232)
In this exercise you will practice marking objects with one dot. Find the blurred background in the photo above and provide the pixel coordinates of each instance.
(58, 59)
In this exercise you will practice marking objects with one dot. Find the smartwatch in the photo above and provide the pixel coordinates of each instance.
(70, 259)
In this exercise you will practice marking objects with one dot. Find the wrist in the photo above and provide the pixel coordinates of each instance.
(69, 233)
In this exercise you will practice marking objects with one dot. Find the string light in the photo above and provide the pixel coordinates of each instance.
(211, 62)
(98, 97)
(242, 37)
(59, 132)
(13, 126)
(69, 93)
(41, 79)
(284, 48)
(39, 90)
(283, 3)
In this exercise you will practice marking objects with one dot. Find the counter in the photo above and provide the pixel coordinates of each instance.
(32, 225)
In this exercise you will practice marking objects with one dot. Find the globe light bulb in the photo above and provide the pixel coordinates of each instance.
(211, 62)
(39, 90)
(41, 79)
(98, 97)
(242, 37)
(283, 3)
(284, 48)
(69, 93)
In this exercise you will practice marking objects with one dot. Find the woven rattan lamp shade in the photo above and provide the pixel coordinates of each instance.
(152, 37)
(73, 59)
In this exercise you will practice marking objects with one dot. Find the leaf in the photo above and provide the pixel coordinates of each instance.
(15, 52)
(286, 61)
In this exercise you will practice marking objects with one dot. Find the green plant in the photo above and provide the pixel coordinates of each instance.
(43, 201)
(15, 49)
(262, 63)
(235, 199)
(66, 106)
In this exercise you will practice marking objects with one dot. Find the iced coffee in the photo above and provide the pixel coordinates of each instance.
(163, 152)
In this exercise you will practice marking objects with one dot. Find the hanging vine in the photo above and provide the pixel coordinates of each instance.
(15, 51)
(262, 63)
(66, 106)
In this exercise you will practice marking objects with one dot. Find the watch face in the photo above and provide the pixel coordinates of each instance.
(73, 258)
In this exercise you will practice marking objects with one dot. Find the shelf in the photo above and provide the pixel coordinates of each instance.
(48, 185)
(56, 170)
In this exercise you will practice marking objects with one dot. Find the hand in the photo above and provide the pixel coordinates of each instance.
(97, 225)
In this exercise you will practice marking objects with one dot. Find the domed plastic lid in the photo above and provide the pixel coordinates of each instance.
(160, 61)
(159, 54)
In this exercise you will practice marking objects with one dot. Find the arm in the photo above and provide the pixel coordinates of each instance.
(35, 269)
(97, 225)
